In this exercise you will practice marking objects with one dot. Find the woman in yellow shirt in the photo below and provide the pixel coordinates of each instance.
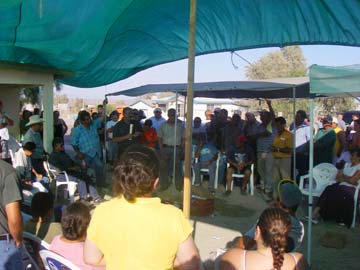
(135, 230)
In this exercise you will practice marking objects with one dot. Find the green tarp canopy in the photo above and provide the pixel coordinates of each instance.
(103, 41)
(335, 81)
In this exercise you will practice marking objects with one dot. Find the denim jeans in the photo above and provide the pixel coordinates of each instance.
(97, 164)
(11, 256)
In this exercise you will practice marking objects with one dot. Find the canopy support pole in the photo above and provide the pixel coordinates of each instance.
(105, 142)
(189, 115)
(311, 164)
(294, 132)
(175, 136)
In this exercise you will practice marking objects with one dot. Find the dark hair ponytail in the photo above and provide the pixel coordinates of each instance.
(274, 224)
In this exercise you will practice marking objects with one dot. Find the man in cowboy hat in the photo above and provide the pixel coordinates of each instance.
(33, 135)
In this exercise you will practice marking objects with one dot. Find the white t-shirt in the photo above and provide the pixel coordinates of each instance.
(110, 124)
(350, 171)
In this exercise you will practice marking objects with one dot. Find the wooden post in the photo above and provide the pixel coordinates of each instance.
(189, 113)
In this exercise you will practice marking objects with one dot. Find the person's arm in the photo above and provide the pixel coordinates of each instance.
(75, 143)
(187, 256)
(353, 180)
(93, 255)
(64, 126)
(123, 138)
(302, 262)
(14, 221)
(271, 109)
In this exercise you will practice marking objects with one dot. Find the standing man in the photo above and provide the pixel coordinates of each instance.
(86, 144)
(324, 142)
(157, 119)
(282, 148)
(126, 132)
(168, 141)
(33, 135)
(302, 138)
(10, 219)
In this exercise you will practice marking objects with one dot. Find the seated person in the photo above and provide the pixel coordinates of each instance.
(74, 223)
(30, 179)
(62, 162)
(206, 157)
(289, 200)
(337, 201)
(135, 230)
(41, 225)
(271, 233)
(240, 157)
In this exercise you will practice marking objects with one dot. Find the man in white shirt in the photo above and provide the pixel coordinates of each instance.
(157, 119)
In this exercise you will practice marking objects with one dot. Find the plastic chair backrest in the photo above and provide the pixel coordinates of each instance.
(33, 246)
(324, 174)
(53, 261)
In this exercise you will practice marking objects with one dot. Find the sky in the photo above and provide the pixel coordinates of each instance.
(216, 67)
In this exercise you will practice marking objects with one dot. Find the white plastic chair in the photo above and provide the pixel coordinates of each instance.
(250, 186)
(32, 247)
(206, 171)
(324, 174)
(53, 261)
(70, 186)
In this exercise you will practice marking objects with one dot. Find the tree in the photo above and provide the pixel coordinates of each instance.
(287, 62)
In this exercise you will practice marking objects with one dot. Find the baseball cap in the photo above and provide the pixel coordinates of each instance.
(217, 110)
(327, 120)
(241, 139)
(290, 195)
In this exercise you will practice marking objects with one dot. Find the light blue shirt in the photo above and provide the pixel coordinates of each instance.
(87, 140)
(35, 137)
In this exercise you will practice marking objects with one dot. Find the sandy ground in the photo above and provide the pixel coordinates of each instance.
(236, 213)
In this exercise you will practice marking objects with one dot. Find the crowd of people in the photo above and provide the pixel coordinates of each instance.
(147, 154)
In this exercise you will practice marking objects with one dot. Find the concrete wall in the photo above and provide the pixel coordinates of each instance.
(10, 97)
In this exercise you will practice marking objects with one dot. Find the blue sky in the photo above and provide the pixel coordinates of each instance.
(217, 67)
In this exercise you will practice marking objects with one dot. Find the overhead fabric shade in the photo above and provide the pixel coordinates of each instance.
(335, 81)
(236, 89)
(103, 41)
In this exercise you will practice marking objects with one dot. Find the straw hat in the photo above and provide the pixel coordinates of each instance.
(34, 119)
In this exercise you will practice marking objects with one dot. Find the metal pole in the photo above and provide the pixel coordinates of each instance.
(175, 136)
(311, 163)
(105, 142)
(189, 115)
(294, 131)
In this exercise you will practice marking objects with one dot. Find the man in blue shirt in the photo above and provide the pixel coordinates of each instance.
(86, 143)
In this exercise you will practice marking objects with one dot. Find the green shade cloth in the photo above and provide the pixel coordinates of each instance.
(335, 81)
(103, 41)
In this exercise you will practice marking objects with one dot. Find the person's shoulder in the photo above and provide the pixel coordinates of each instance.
(232, 258)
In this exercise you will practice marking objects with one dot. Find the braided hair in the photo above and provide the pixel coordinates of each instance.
(274, 224)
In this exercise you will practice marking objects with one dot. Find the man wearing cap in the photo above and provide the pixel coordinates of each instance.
(340, 143)
(10, 219)
(33, 135)
(324, 142)
(282, 148)
(157, 119)
(240, 156)
(289, 200)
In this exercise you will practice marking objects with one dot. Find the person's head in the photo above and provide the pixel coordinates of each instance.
(148, 123)
(272, 230)
(355, 117)
(217, 112)
(197, 122)
(335, 122)
(265, 117)
(280, 124)
(29, 148)
(136, 174)
(94, 115)
(100, 109)
(208, 114)
(35, 123)
(235, 119)
(289, 197)
(134, 115)
(300, 117)
(42, 205)
(240, 141)
(36, 111)
(56, 115)
(58, 144)
(26, 114)
(238, 112)
(75, 221)
(114, 116)
(171, 115)
(127, 114)
(250, 117)
(340, 116)
(157, 113)
(355, 155)
(223, 115)
(84, 117)
(327, 122)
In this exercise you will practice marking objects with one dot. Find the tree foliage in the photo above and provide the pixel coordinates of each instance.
(287, 62)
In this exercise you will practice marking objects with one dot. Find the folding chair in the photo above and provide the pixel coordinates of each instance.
(250, 186)
(53, 261)
(356, 204)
